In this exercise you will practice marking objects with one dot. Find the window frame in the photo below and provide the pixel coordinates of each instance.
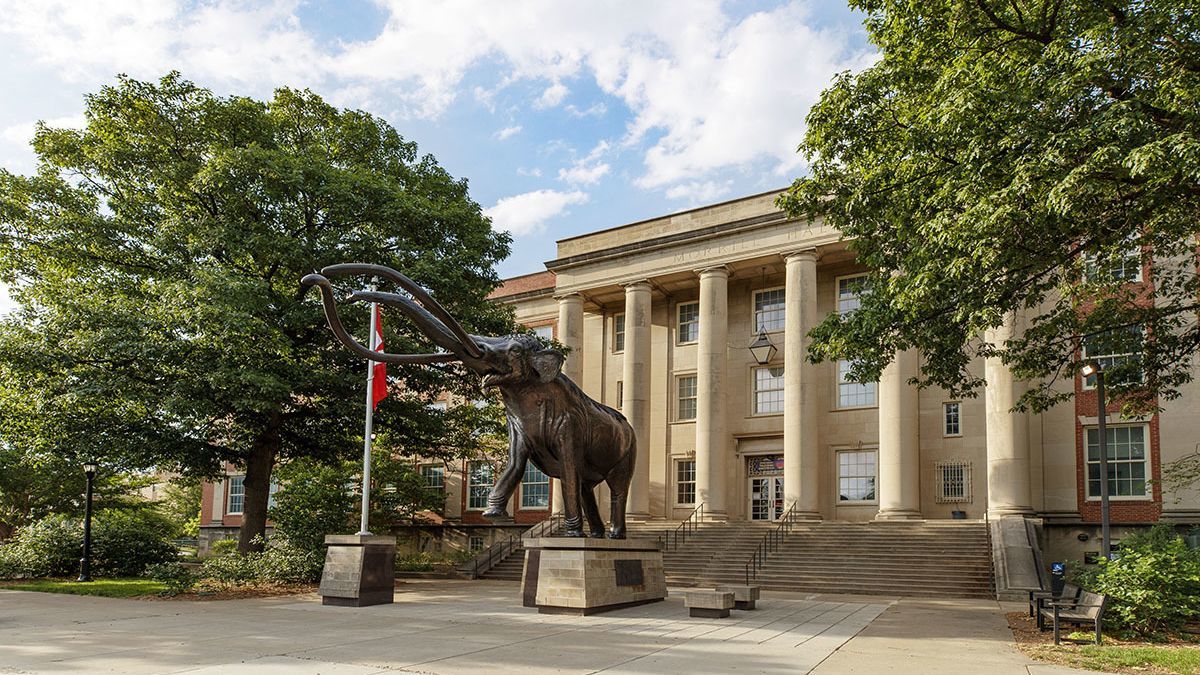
(679, 482)
(471, 483)
(1091, 266)
(837, 292)
(229, 495)
(1147, 473)
(754, 390)
(1109, 360)
(679, 397)
(545, 326)
(839, 382)
(754, 293)
(837, 476)
(618, 320)
(442, 475)
(946, 433)
(679, 323)
(940, 468)
(549, 492)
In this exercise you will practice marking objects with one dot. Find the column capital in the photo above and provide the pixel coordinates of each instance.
(573, 296)
(715, 270)
(637, 285)
(801, 255)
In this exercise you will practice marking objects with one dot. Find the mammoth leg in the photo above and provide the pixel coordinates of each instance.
(618, 482)
(595, 523)
(503, 489)
(572, 487)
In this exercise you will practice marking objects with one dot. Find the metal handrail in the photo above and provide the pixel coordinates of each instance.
(770, 542)
(497, 552)
(671, 540)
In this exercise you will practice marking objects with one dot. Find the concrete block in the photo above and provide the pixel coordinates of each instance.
(708, 604)
(744, 597)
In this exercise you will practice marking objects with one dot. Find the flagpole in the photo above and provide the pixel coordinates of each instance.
(366, 487)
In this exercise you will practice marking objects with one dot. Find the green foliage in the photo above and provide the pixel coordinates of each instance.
(181, 503)
(313, 501)
(174, 576)
(223, 547)
(1154, 584)
(1006, 156)
(156, 256)
(109, 588)
(124, 543)
(275, 564)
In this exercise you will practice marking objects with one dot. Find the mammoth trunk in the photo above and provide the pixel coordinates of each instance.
(259, 464)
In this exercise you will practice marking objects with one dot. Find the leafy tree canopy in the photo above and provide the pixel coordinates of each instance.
(1017, 155)
(156, 256)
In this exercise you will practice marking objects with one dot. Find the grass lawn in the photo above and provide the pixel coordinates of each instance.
(109, 588)
(1180, 656)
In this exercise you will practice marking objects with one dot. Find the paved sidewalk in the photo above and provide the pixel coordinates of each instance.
(460, 627)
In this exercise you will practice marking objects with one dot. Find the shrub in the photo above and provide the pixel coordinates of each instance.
(1154, 584)
(177, 578)
(312, 503)
(223, 547)
(277, 564)
(123, 544)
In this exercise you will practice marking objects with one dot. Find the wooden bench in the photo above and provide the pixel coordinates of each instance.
(708, 604)
(1088, 609)
(1040, 599)
(744, 597)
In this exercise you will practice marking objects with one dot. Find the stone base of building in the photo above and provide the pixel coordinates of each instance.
(360, 570)
(582, 576)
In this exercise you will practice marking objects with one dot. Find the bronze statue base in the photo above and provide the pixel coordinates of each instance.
(360, 570)
(583, 576)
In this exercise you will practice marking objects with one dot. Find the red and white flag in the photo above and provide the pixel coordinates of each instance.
(379, 370)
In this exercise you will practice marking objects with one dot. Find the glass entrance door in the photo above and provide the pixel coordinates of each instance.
(766, 498)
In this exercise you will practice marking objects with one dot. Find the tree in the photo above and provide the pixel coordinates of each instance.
(156, 256)
(1028, 156)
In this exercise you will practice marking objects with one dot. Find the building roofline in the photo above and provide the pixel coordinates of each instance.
(670, 215)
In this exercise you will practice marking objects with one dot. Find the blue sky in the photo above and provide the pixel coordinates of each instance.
(566, 117)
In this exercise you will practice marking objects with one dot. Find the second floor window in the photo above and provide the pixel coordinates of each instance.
(769, 310)
(237, 494)
(687, 398)
(434, 475)
(619, 333)
(848, 291)
(480, 477)
(1127, 461)
(952, 419)
(768, 390)
(544, 332)
(535, 488)
(689, 322)
(1119, 353)
(853, 394)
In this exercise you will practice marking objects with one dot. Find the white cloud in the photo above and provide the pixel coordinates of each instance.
(535, 172)
(581, 173)
(699, 192)
(552, 96)
(594, 110)
(508, 132)
(528, 213)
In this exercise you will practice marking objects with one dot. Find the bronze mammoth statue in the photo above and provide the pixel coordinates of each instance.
(551, 422)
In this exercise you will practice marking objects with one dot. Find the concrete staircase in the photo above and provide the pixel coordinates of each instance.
(930, 558)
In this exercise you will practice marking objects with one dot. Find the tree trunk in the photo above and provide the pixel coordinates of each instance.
(259, 465)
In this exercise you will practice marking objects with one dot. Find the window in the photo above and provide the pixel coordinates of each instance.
(1123, 267)
(686, 408)
(620, 394)
(475, 543)
(480, 477)
(856, 475)
(618, 333)
(1118, 352)
(535, 488)
(685, 481)
(434, 475)
(848, 291)
(438, 405)
(1126, 461)
(853, 394)
(768, 390)
(952, 417)
(689, 322)
(953, 481)
(271, 496)
(769, 310)
(237, 494)
(544, 332)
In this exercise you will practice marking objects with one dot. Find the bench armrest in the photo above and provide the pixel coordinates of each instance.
(1072, 605)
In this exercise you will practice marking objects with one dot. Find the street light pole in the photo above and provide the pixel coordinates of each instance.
(85, 563)
(1105, 541)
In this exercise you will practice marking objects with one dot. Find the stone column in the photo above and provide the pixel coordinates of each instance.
(635, 403)
(711, 391)
(801, 454)
(899, 489)
(218, 505)
(1007, 433)
(570, 334)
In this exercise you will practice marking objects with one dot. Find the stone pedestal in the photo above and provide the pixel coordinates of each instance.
(567, 575)
(360, 570)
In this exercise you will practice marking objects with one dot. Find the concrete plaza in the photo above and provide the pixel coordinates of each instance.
(474, 627)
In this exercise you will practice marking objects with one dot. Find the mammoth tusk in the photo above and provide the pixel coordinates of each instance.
(419, 294)
(424, 320)
(335, 323)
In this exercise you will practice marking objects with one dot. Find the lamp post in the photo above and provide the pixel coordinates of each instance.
(85, 563)
(1088, 370)
(762, 349)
